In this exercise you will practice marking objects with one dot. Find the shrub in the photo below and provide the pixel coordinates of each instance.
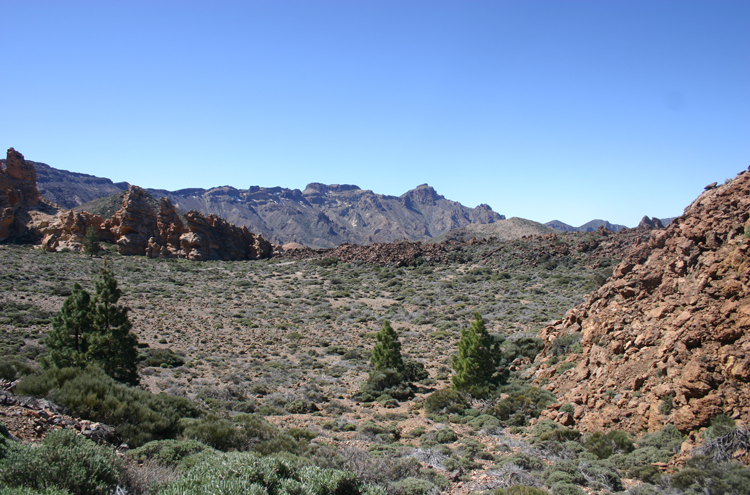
(484, 422)
(445, 435)
(566, 489)
(524, 461)
(702, 475)
(445, 401)
(167, 452)
(414, 486)
(614, 442)
(522, 404)
(520, 490)
(232, 473)
(137, 415)
(720, 426)
(414, 371)
(65, 461)
(160, 357)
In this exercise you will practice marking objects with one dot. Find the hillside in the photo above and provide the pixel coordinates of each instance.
(504, 230)
(586, 227)
(666, 339)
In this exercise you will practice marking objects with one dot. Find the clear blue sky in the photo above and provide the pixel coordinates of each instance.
(567, 110)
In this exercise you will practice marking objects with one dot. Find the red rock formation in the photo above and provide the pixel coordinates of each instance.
(667, 338)
(213, 238)
(69, 230)
(18, 194)
(133, 224)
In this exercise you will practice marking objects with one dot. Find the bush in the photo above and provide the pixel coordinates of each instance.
(64, 460)
(566, 489)
(414, 486)
(523, 404)
(137, 415)
(160, 357)
(414, 371)
(520, 490)
(702, 475)
(167, 452)
(445, 401)
(232, 473)
(445, 435)
(524, 461)
(614, 442)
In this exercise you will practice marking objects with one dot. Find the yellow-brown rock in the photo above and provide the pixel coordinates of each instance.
(667, 338)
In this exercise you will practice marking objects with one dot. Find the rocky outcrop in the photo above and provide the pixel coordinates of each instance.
(133, 224)
(667, 338)
(18, 195)
(138, 230)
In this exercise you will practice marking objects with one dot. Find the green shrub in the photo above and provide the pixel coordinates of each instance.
(668, 438)
(445, 401)
(720, 426)
(701, 475)
(445, 435)
(64, 460)
(566, 489)
(414, 371)
(414, 486)
(30, 491)
(137, 415)
(604, 445)
(520, 490)
(160, 357)
(522, 460)
(484, 422)
(233, 473)
(522, 404)
(167, 452)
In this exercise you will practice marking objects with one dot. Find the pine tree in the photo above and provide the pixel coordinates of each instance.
(91, 244)
(113, 346)
(478, 357)
(387, 352)
(68, 342)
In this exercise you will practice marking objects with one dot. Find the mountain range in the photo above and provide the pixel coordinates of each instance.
(320, 216)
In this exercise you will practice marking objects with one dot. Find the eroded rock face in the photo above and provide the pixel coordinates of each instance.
(667, 338)
(18, 193)
(133, 224)
(138, 230)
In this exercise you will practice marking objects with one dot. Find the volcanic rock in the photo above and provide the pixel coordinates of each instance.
(667, 338)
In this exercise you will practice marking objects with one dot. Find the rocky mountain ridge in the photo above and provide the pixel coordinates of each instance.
(586, 227)
(135, 228)
(667, 338)
(320, 216)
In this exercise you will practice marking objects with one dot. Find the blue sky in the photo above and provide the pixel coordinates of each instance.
(567, 110)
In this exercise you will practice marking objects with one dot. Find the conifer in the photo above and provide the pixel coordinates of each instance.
(113, 346)
(387, 352)
(477, 361)
(68, 342)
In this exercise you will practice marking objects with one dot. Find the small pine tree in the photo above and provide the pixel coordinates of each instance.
(113, 346)
(478, 357)
(91, 244)
(387, 352)
(68, 341)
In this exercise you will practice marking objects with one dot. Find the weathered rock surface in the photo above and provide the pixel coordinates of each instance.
(18, 197)
(138, 230)
(667, 338)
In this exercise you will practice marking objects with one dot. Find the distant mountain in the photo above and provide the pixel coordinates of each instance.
(504, 230)
(321, 216)
(591, 226)
(71, 189)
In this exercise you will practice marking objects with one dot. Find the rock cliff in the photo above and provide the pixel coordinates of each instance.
(667, 338)
(137, 229)
(18, 196)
